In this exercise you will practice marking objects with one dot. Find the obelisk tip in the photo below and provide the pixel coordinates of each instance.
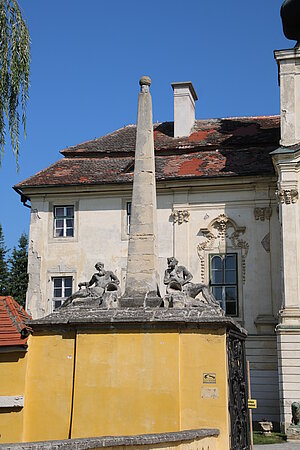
(145, 82)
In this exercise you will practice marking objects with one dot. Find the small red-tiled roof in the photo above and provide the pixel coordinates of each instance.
(13, 328)
(215, 148)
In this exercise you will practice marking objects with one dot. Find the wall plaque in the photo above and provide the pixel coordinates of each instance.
(209, 378)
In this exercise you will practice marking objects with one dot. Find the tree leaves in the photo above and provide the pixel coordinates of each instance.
(14, 73)
(3, 265)
(13, 273)
(18, 277)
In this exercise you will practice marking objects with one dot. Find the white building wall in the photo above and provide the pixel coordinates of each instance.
(261, 352)
(288, 371)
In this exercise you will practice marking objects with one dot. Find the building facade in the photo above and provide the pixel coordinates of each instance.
(227, 209)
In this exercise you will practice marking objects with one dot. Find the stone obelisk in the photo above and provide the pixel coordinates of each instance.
(142, 264)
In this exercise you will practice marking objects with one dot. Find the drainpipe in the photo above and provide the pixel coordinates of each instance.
(24, 198)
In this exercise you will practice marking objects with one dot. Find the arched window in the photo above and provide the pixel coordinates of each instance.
(224, 281)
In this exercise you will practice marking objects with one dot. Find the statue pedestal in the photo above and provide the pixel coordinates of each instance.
(134, 302)
(99, 372)
(293, 433)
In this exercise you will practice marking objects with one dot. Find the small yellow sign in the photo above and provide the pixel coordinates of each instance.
(252, 404)
(209, 378)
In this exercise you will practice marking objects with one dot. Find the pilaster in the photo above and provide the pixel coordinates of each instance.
(289, 78)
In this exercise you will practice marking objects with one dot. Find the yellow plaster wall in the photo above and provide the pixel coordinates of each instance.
(134, 383)
(48, 389)
(126, 383)
(204, 352)
(12, 383)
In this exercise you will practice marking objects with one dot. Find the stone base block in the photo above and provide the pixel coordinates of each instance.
(139, 302)
(152, 302)
(293, 434)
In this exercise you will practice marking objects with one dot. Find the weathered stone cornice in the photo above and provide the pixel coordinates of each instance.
(150, 318)
(115, 441)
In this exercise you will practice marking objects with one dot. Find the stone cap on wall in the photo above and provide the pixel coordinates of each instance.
(115, 441)
(149, 318)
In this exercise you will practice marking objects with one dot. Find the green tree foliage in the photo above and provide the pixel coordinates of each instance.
(3, 265)
(18, 277)
(14, 72)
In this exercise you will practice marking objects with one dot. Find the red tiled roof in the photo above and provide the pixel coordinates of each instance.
(215, 148)
(13, 328)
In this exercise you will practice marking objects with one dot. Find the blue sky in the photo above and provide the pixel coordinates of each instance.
(87, 58)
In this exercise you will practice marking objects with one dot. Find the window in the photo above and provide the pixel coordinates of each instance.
(62, 289)
(63, 221)
(128, 216)
(224, 281)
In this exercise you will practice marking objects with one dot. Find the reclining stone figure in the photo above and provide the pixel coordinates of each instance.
(181, 292)
(103, 285)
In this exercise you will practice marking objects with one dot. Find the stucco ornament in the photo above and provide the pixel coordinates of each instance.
(287, 196)
(182, 293)
(262, 214)
(222, 235)
(180, 216)
(103, 286)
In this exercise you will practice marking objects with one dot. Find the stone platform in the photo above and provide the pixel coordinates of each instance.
(151, 317)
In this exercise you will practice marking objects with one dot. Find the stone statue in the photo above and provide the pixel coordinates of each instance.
(104, 285)
(293, 431)
(290, 15)
(296, 414)
(181, 292)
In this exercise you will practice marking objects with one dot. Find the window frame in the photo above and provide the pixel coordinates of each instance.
(225, 285)
(64, 219)
(125, 221)
(51, 220)
(63, 288)
(128, 216)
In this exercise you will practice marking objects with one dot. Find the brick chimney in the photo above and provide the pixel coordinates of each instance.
(184, 108)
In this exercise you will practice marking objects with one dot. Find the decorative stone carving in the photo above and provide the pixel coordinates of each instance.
(262, 213)
(293, 432)
(223, 234)
(287, 196)
(181, 293)
(266, 243)
(266, 427)
(180, 216)
(103, 286)
(296, 414)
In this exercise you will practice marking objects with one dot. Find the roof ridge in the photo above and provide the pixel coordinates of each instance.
(15, 312)
(66, 149)
(275, 116)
